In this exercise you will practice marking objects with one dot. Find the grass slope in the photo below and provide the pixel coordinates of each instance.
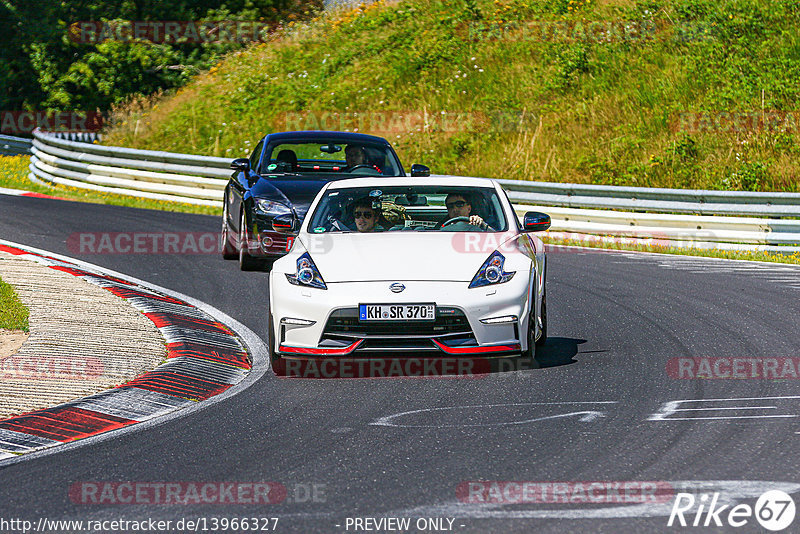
(530, 89)
(13, 314)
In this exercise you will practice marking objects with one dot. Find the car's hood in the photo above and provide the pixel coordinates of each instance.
(296, 191)
(396, 256)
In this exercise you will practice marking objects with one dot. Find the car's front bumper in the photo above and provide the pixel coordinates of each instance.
(263, 241)
(470, 336)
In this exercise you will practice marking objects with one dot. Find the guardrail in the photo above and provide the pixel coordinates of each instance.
(675, 217)
(141, 173)
(14, 146)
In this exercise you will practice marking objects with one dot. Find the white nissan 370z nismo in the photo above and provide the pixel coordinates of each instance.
(438, 266)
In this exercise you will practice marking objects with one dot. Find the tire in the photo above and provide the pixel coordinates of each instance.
(246, 261)
(530, 354)
(228, 250)
(271, 341)
(277, 363)
(543, 338)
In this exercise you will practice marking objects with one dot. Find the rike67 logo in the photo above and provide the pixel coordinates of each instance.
(774, 510)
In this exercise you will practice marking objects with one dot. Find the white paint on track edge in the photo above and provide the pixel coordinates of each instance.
(255, 346)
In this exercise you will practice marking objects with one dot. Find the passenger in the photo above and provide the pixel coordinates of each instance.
(365, 215)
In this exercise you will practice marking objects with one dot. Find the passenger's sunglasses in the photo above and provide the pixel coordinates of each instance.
(456, 204)
(362, 214)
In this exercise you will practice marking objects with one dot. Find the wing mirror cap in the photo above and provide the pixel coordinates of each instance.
(535, 221)
(420, 170)
(240, 164)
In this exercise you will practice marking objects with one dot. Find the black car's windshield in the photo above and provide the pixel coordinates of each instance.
(409, 208)
(352, 159)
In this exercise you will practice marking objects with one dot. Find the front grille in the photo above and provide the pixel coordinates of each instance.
(451, 324)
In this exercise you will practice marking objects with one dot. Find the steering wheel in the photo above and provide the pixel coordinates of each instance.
(484, 226)
(363, 166)
(455, 220)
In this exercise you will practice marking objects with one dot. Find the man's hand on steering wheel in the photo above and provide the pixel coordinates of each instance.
(473, 220)
(364, 166)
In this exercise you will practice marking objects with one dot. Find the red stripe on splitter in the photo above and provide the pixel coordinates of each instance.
(477, 350)
(64, 423)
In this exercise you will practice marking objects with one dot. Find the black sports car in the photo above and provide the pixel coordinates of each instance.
(275, 186)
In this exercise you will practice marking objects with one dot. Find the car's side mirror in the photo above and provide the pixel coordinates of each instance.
(241, 164)
(420, 170)
(285, 224)
(535, 221)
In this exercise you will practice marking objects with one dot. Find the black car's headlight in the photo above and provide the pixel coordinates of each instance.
(270, 207)
(307, 274)
(491, 272)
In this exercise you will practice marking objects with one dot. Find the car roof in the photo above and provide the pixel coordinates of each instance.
(386, 181)
(324, 135)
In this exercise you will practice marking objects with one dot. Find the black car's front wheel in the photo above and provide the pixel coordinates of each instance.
(246, 261)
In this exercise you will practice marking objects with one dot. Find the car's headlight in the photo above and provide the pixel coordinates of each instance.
(491, 272)
(307, 274)
(271, 207)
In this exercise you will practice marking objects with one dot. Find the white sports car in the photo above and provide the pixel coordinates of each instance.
(403, 266)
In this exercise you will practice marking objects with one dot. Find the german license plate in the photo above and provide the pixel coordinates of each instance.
(397, 312)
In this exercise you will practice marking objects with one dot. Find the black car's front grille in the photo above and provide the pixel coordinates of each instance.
(344, 326)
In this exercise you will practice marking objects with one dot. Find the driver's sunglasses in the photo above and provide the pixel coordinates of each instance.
(456, 204)
(362, 215)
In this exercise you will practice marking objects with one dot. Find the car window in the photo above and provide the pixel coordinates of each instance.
(330, 157)
(411, 208)
(256, 156)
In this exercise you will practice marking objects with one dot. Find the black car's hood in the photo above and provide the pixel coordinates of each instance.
(296, 191)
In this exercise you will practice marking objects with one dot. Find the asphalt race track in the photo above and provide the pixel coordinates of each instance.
(596, 409)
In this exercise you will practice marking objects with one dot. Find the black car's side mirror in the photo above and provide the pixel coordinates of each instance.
(535, 221)
(420, 170)
(285, 224)
(241, 164)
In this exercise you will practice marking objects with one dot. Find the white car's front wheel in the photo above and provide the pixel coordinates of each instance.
(543, 338)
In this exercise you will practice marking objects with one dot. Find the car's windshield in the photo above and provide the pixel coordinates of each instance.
(409, 208)
(316, 157)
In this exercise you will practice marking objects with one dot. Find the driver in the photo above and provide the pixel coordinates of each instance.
(459, 205)
(356, 156)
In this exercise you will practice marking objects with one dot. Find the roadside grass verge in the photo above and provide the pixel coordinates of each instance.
(14, 175)
(772, 257)
(527, 104)
(13, 314)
